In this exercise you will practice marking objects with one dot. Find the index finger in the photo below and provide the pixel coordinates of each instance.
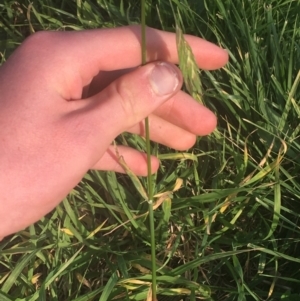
(122, 48)
(90, 51)
(76, 57)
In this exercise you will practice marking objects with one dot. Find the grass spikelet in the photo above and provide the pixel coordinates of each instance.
(188, 66)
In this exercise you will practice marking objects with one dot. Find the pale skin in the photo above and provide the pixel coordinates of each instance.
(65, 96)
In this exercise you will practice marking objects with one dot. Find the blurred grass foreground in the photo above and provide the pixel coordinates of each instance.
(227, 211)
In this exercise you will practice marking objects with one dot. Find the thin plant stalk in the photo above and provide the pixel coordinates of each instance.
(149, 177)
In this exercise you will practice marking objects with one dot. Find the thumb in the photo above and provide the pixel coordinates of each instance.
(132, 97)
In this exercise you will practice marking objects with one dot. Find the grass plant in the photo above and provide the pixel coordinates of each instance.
(227, 212)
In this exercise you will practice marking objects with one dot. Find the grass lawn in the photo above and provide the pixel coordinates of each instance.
(227, 212)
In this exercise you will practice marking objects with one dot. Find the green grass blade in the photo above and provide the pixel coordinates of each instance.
(112, 281)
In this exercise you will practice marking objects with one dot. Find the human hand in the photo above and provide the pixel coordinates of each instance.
(65, 96)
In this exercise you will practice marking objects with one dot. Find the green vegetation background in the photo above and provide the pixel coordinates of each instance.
(228, 224)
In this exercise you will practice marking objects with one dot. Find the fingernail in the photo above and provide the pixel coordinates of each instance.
(164, 79)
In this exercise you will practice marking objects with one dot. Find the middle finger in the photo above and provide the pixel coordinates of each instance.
(166, 133)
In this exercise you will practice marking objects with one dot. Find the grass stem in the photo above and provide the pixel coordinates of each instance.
(149, 177)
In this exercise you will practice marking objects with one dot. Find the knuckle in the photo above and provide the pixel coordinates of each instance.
(34, 41)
